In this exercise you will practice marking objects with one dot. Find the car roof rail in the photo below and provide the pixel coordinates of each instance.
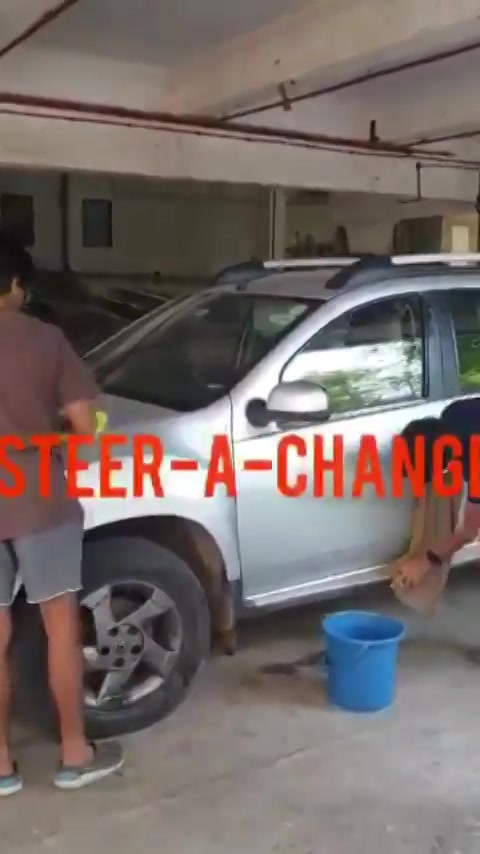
(246, 271)
(352, 271)
(311, 263)
(452, 259)
(374, 268)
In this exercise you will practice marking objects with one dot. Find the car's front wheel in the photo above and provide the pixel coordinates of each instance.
(145, 634)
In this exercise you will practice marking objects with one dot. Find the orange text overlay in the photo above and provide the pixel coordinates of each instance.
(301, 466)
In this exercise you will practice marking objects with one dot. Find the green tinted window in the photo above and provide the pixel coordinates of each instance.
(369, 357)
(465, 310)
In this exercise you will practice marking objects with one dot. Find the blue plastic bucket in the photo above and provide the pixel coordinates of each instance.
(360, 659)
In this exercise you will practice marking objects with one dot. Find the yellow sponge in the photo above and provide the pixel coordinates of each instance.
(102, 421)
(100, 424)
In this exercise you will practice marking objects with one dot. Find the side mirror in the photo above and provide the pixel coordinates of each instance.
(295, 402)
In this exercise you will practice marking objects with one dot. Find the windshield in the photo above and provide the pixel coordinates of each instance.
(197, 355)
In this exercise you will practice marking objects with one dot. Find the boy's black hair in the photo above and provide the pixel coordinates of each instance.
(15, 263)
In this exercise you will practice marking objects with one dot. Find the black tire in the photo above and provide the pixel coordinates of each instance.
(107, 561)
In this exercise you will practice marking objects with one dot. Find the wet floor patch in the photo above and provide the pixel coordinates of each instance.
(289, 668)
(472, 655)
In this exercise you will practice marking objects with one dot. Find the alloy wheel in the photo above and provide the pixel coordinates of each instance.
(132, 640)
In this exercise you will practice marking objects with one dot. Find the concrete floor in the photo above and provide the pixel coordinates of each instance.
(256, 762)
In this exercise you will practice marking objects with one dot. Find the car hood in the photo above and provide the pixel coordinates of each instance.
(183, 434)
(132, 417)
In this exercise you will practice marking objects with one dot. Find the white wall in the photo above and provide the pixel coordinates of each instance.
(188, 230)
(185, 230)
(179, 229)
(369, 220)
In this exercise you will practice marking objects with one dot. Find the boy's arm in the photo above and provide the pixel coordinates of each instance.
(81, 416)
(76, 390)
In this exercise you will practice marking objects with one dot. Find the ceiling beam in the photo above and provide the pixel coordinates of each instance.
(94, 144)
(409, 107)
(423, 104)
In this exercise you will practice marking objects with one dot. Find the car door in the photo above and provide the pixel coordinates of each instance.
(379, 364)
(459, 313)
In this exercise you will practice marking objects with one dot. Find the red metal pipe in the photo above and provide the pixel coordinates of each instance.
(37, 25)
(358, 80)
(432, 140)
(205, 123)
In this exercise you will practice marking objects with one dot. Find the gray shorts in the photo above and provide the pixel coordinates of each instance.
(46, 564)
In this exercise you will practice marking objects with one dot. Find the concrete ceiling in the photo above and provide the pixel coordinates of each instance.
(157, 32)
(412, 104)
(224, 58)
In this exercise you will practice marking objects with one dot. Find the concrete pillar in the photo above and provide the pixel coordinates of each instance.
(278, 223)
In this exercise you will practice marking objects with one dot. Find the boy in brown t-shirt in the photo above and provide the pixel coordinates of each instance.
(41, 538)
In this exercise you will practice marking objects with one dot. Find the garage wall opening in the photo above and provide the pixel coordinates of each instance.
(175, 235)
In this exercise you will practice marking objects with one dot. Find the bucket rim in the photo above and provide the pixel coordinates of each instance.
(361, 613)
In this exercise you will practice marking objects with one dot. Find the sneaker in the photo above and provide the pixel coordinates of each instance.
(10, 784)
(107, 759)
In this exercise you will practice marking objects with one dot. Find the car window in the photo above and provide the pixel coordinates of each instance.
(465, 312)
(371, 356)
(199, 352)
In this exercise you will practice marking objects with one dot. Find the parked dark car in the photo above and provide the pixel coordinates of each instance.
(84, 323)
(129, 303)
(87, 319)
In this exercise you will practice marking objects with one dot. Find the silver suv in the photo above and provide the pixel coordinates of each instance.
(337, 346)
